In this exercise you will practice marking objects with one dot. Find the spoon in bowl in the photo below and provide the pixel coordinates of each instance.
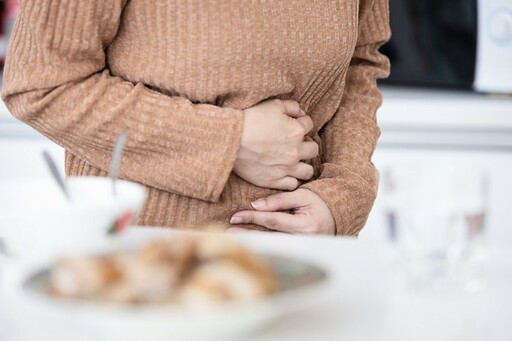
(114, 166)
(56, 174)
(116, 159)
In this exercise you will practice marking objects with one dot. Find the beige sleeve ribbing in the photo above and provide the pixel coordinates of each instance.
(348, 181)
(56, 79)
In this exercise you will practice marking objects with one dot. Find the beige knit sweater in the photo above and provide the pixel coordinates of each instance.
(177, 75)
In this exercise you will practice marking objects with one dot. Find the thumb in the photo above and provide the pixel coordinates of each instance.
(277, 202)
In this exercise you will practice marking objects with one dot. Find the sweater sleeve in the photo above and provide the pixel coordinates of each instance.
(348, 180)
(57, 80)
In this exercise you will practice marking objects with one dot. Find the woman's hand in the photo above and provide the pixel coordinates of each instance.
(273, 144)
(300, 212)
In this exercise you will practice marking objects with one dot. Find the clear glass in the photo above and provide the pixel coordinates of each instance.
(436, 216)
(3, 313)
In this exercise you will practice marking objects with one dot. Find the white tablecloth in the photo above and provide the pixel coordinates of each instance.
(367, 301)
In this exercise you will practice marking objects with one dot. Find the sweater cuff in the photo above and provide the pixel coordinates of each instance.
(349, 199)
(225, 151)
(202, 162)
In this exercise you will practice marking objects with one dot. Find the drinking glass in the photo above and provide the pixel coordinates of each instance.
(436, 216)
(3, 313)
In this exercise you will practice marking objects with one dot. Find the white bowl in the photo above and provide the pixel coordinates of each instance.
(37, 222)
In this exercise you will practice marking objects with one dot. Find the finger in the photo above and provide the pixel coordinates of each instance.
(306, 122)
(292, 108)
(278, 202)
(288, 183)
(240, 229)
(277, 221)
(302, 171)
(309, 150)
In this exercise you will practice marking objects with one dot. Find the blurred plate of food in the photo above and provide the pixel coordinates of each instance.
(188, 286)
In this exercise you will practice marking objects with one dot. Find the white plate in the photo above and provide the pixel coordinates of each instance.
(302, 286)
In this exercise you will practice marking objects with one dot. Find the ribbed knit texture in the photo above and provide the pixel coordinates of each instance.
(177, 75)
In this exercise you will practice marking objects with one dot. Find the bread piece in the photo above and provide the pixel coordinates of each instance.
(188, 269)
(82, 277)
(224, 279)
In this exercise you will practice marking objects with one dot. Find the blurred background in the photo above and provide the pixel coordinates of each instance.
(448, 103)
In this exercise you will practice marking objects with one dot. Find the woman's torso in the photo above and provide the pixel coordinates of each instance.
(234, 54)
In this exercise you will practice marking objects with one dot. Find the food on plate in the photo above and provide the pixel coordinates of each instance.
(185, 269)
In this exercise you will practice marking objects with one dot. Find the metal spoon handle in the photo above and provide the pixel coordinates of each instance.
(56, 174)
(116, 158)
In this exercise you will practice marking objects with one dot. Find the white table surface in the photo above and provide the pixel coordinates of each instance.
(367, 301)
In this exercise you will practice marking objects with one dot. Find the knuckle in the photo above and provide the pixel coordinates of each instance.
(266, 179)
(263, 182)
(299, 130)
(294, 105)
(278, 184)
(271, 223)
(280, 173)
(293, 156)
(248, 218)
(279, 104)
(274, 178)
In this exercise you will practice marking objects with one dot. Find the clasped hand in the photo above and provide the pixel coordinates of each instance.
(273, 147)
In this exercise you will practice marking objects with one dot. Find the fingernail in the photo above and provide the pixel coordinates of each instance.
(260, 203)
(236, 220)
